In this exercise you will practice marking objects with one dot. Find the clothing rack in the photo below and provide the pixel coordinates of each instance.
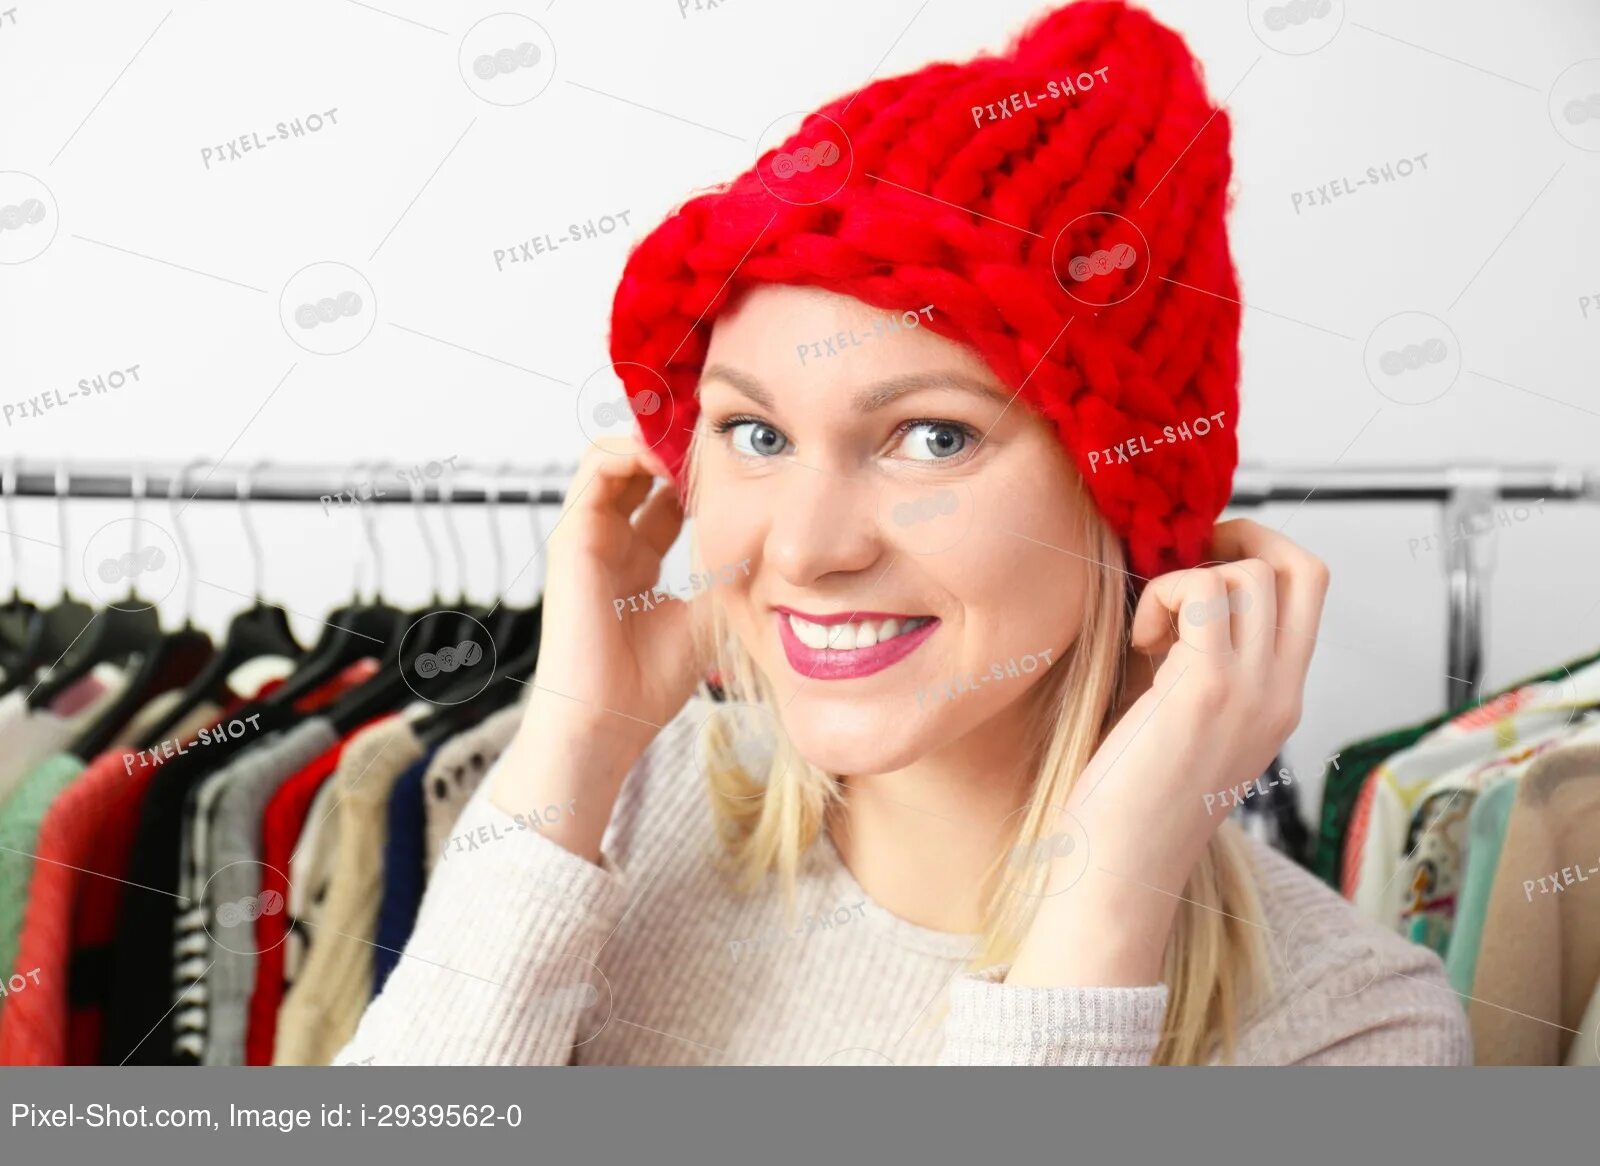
(1466, 493)
(271, 482)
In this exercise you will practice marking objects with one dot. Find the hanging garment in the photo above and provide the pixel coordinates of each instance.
(190, 952)
(322, 1007)
(289, 815)
(1540, 957)
(139, 1020)
(28, 736)
(72, 901)
(310, 872)
(21, 814)
(451, 782)
(403, 872)
(1376, 843)
(1343, 783)
(1486, 829)
(141, 998)
(99, 903)
(236, 833)
(222, 941)
(1435, 853)
(440, 786)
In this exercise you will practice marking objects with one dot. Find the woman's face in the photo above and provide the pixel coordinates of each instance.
(913, 537)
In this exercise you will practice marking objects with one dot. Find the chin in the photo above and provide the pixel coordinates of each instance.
(859, 738)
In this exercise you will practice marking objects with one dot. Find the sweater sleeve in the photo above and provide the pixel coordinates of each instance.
(499, 969)
(1339, 990)
(992, 1023)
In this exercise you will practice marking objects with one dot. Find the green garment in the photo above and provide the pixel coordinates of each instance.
(1486, 829)
(1342, 779)
(21, 814)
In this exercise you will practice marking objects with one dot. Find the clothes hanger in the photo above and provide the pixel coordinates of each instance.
(360, 630)
(177, 658)
(259, 631)
(124, 631)
(434, 625)
(54, 629)
(517, 628)
(424, 633)
(474, 622)
(17, 612)
(469, 704)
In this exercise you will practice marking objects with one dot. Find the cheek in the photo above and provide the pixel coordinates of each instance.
(1011, 595)
(1019, 574)
(729, 529)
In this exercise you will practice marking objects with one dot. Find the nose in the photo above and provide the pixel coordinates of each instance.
(825, 523)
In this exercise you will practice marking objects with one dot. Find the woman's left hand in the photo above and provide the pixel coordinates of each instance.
(1234, 644)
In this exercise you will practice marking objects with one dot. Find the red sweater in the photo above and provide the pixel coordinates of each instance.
(78, 840)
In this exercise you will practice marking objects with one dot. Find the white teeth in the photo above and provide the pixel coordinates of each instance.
(810, 634)
(846, 637)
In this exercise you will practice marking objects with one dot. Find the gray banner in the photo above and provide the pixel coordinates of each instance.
(631, 1116)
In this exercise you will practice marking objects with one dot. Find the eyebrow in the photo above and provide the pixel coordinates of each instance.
(866, 400)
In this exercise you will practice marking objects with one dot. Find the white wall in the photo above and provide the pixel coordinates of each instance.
(164, 262)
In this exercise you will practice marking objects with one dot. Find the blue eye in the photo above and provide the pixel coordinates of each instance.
(757, 439)
(933, 440)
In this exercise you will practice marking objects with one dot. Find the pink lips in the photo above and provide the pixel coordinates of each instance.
(834, 664)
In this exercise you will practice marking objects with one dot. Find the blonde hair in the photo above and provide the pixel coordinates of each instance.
(768, 820)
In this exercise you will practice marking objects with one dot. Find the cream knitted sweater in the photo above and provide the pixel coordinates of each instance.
(525, 953)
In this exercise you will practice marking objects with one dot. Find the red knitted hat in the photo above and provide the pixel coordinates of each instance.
(1079, 178)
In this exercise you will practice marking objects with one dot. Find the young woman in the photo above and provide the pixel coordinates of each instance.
(984, 666)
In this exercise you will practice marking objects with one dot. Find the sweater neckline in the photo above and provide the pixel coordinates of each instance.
(951, 945)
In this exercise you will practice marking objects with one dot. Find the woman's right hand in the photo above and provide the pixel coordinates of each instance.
(610, 674)
(613, 658)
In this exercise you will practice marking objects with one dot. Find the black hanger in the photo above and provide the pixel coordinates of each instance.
(357, 631)
(16, 613)
(515, 629)
(412, 668)
(516, 638)
(129, 628)
(454, 712)
(174, 661)
(54, 629)
(261, 630)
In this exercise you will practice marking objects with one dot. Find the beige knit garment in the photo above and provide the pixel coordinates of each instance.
(525, 953)
(457, 770)
(320, 1010)
(1540, 957)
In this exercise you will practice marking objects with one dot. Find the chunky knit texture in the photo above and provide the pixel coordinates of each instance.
(525, 953)
(937, 198)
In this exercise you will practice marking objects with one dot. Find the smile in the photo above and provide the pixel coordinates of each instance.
(839, 647)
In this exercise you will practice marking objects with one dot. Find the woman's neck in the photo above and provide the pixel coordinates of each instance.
(920, 840)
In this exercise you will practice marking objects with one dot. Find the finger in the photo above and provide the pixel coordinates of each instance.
(1204, 622)
(1301, 584)
(1153, 629)
(618, 478)
(1192, 605)
(1253, 611)
(660, 519)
